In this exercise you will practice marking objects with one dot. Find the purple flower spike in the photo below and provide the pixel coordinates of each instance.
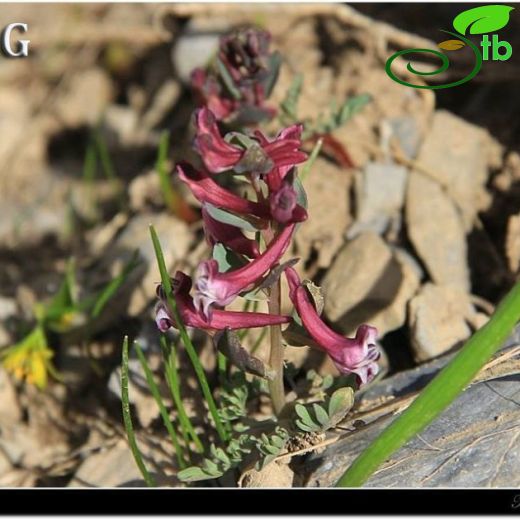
(358, 355)
(219, 319)
(214, 288)
(205, 189)
(245, 54)
(231, 236)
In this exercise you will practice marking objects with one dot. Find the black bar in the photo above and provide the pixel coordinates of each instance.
(259, 501)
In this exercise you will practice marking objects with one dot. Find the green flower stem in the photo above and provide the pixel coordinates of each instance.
(276, 388)
(190, 349)
(440, 392)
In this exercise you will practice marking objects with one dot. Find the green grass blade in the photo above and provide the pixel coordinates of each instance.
(440, 392)
(128, 419)
(89, 165)
(172, 378)
(310, 161)
(114, 285)
(190, 349)
(160, 166)
(104, 157)
(162, 409)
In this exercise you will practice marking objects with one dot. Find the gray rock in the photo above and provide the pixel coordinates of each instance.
(196, 46)
(327, 189)
(438, 320)
(455, 152)
(93, 85)
(367, 283)
(473, 443)
(436, 231)
(35, 212)
(114, 466)
(108, 468)
(7, 307)
(5, 463)
(10, 411)
(145, 190)
(513, 242)
(407, 131)
(380, 190)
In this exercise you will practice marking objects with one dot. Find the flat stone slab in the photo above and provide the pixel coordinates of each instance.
(475, 442)
(436, 231)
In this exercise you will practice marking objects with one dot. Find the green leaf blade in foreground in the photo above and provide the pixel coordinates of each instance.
(154, 389)
(125, 400)
(440, 392)
(190, 349)
(162, 171)
(483, 19)
(172, 378)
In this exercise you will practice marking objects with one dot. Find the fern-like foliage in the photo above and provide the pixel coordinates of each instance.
(233, 398)
(220, 460)
(271, 446)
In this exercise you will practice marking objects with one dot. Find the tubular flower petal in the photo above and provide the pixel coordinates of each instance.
(231, 236)
(358, 355)
(205, 189)
(221, 289)
(284, 151)
(219, 319)
(217, 154)
(267, 157)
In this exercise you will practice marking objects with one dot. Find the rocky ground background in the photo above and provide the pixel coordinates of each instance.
(419, 236)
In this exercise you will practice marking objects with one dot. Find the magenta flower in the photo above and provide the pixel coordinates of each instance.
(284, 206)
(217, 154)
(214, 288)
(208, 92)
(205, 189)
(266, 157)
(231, 236)
(219, 319)
(286, 152)
(242, 76)
(245, 54)
(358, 355)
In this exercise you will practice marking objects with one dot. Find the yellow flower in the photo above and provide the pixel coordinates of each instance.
(30, 359)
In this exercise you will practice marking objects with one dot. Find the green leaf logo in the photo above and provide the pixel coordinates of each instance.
(481, 20)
